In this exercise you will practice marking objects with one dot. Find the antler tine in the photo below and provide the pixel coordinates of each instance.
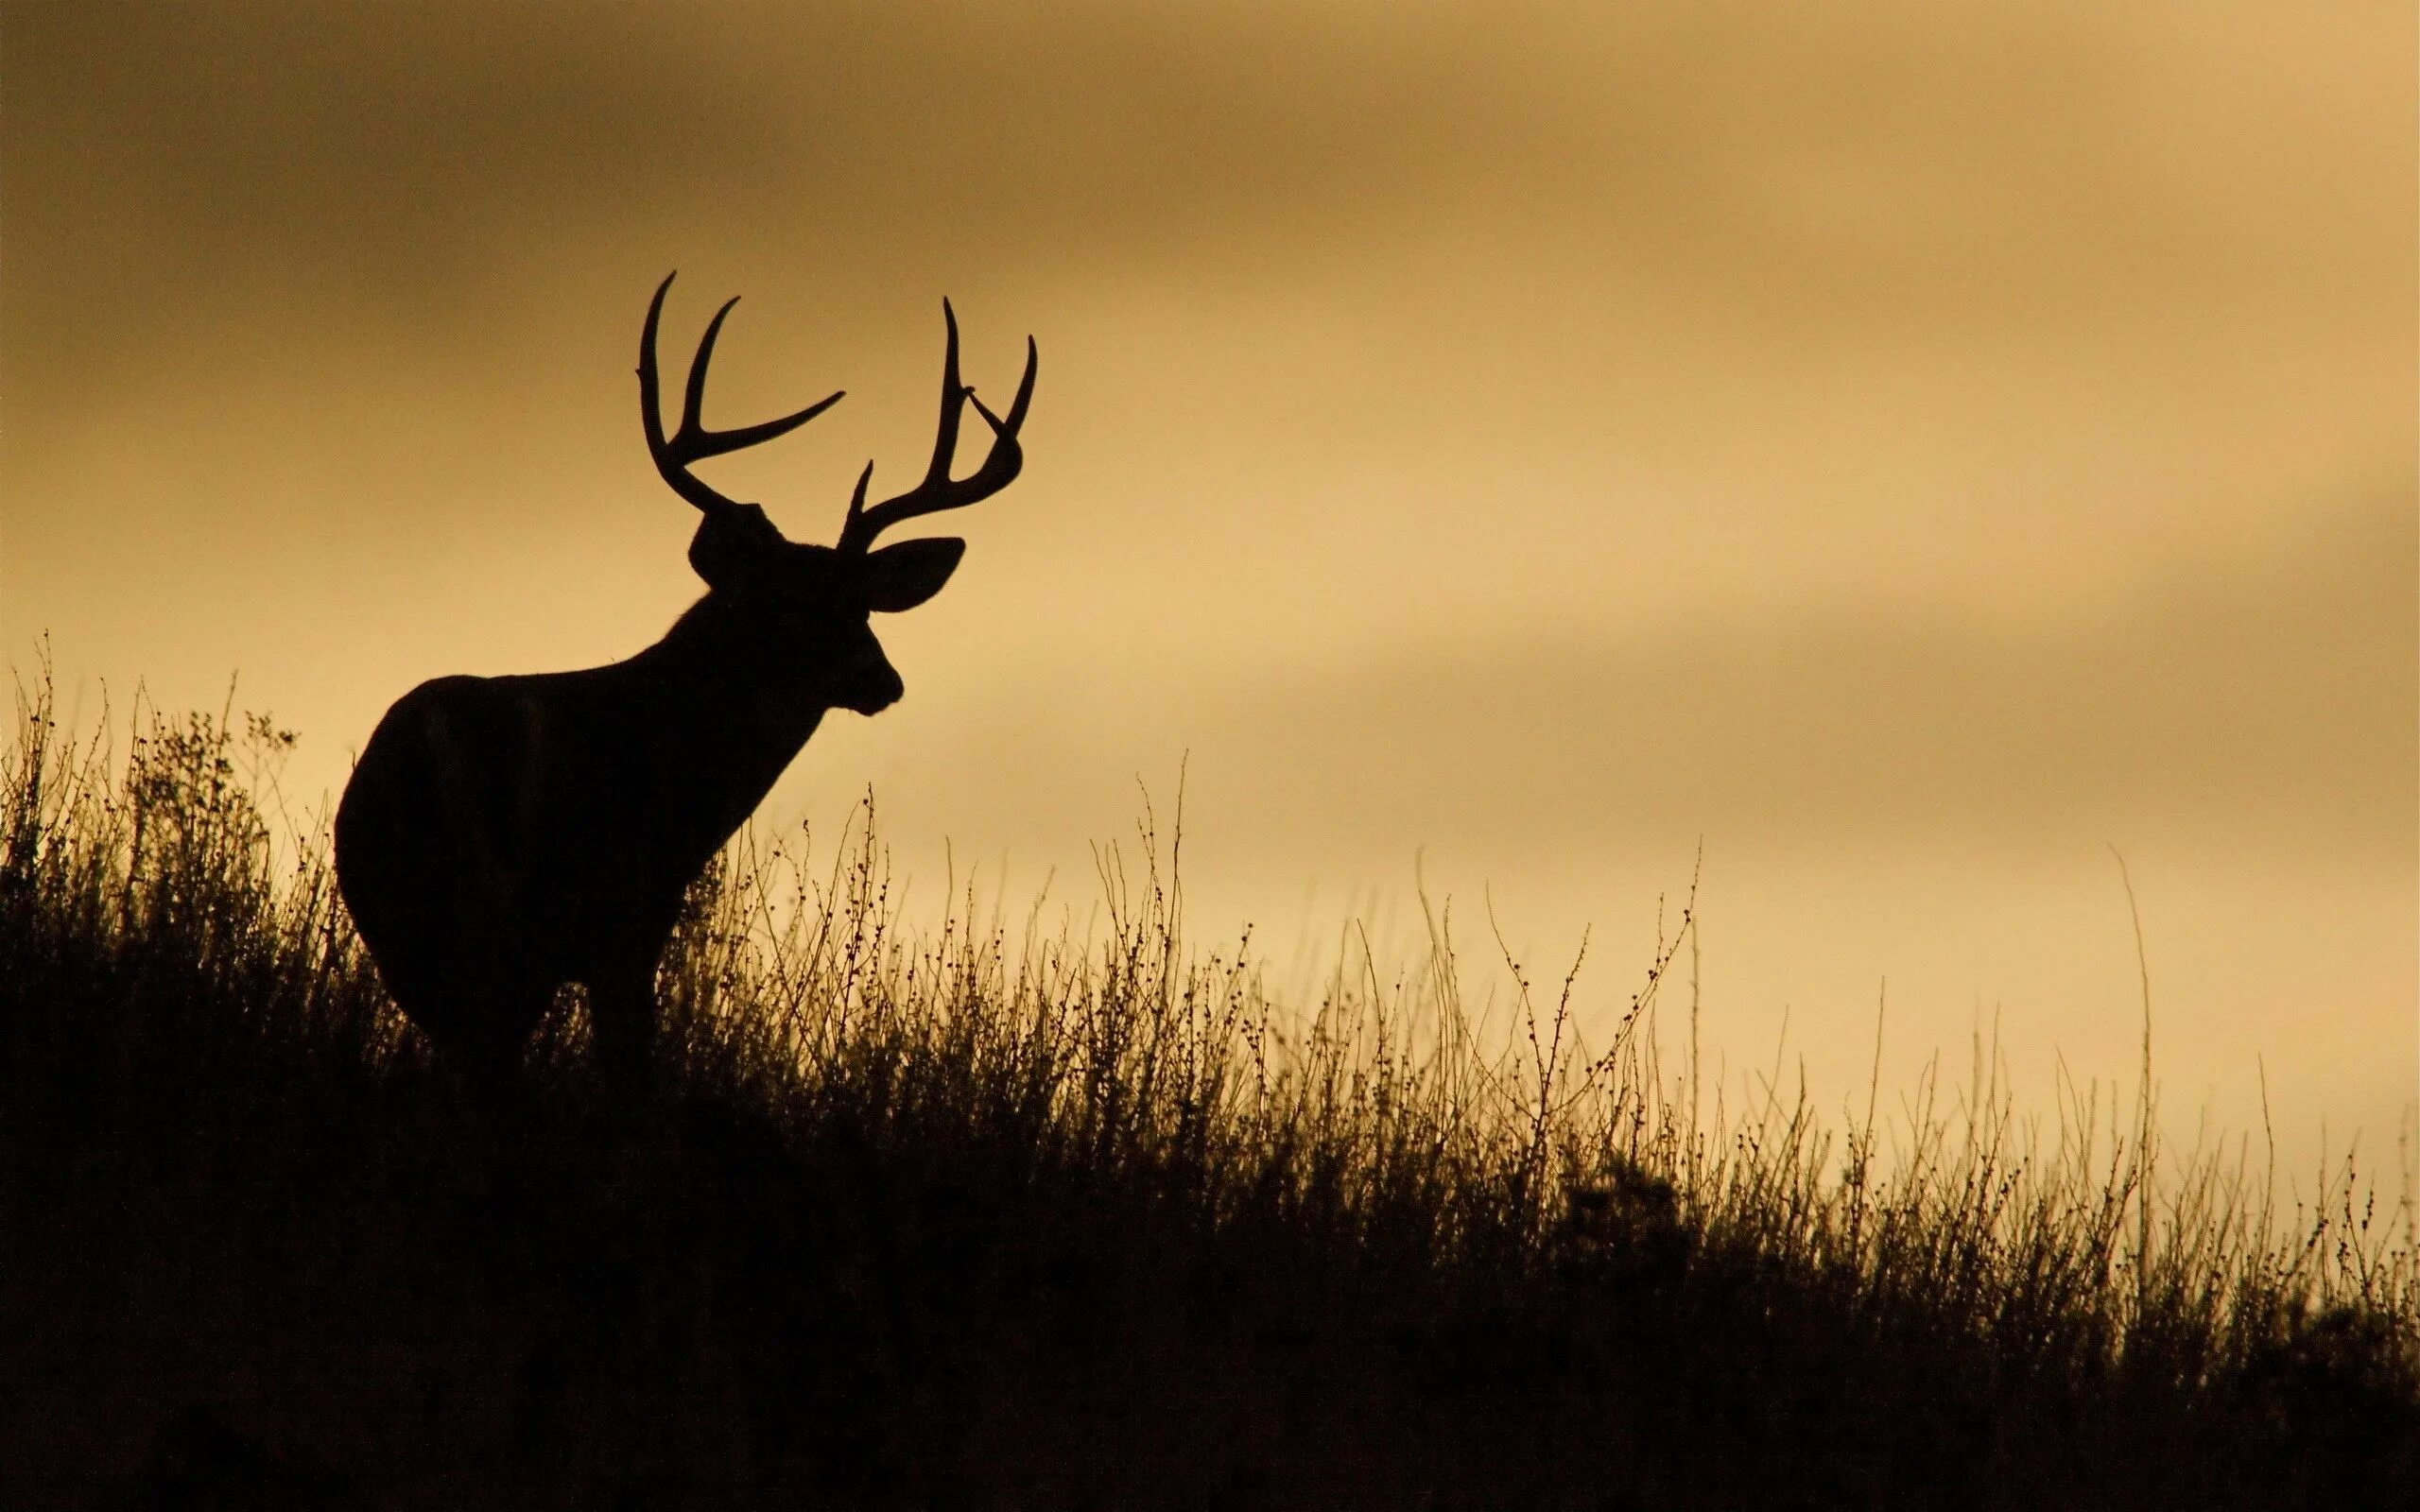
(693, 442)
(1007, 430)
(939, 490)
(693, 396)
(952, 402)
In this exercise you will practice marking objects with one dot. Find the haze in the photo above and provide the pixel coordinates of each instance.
(1909, 449)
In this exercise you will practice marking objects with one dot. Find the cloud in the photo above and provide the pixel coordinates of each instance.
(2270, 706)
(170, 171)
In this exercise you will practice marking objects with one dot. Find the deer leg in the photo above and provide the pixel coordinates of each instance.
(621, 1012)
(479, 1027)
(487, 1053)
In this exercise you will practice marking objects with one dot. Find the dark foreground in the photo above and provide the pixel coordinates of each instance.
(946, 1226)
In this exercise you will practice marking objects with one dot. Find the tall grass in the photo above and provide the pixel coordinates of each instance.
(992, 1213)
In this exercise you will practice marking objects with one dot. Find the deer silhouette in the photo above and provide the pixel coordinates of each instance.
(501, 836)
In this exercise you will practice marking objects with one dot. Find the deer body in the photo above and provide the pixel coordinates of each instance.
(501, 836)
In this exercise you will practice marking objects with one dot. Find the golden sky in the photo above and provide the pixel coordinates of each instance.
(1910, 447)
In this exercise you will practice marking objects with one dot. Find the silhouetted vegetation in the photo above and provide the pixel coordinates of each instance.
(999, 1216)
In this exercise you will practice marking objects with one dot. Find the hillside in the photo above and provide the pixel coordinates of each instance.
(991, 1217)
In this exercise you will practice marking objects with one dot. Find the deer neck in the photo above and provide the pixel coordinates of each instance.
(746, 713)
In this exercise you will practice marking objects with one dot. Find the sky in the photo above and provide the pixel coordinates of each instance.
(1906, 455)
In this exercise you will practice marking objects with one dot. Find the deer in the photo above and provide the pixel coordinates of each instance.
(502, 836)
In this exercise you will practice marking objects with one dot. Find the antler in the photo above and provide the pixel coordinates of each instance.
(693, 442)
(939, 490)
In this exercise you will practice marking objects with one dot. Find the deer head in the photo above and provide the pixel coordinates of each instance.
(808, 605)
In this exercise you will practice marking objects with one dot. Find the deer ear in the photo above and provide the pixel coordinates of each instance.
(902, 576)
(731, 544)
